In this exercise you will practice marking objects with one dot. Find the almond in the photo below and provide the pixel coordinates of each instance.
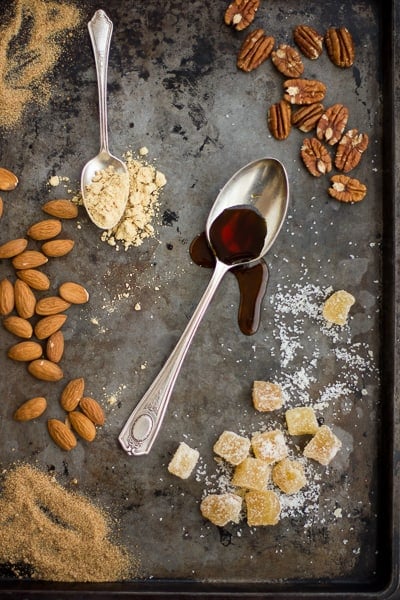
(92, 409)
(72, 394)
(63, 209)
(34, 278)
(31, 409)
(61, 434)
(56, 248)
(29, 259)
(25, 300)
(48, 325)
(44, 230)
(82, 425)
(73, 292)
(7, 298)
(18, 326)
(51, 305)
(1, 207)
(8, 181)
(13, 247)
(55, 346)
(45, 370)
(25, 351)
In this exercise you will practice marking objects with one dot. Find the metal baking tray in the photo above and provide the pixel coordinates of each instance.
(174, 87)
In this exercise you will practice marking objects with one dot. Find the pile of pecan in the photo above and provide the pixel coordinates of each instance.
(306, 95)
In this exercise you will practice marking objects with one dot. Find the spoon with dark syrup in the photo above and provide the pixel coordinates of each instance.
(252, 281)
(243, 223)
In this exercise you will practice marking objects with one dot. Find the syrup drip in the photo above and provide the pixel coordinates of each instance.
(233, 242)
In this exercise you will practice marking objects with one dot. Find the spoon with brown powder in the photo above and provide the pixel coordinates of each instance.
(104, 179)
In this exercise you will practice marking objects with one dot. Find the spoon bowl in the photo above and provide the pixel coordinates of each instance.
(261, 185)
(104, 211)
(114, 210)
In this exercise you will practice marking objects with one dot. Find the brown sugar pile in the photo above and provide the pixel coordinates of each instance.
(32, 35)
(58, 534)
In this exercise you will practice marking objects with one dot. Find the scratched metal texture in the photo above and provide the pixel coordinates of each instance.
(173, 86)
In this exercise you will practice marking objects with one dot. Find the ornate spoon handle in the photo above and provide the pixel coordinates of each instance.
(140, 431)
(100, 31)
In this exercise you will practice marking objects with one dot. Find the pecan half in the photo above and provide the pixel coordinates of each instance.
(332, 124)
(255, 49)
(306, 117)
(315, 157)
(340, 46)
(350, 149)
(241, 13)
(304, 91)
(308, 40)
(346, 189)
(279, 120)
(288, 61)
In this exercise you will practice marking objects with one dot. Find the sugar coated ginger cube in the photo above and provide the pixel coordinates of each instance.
(267, 396)
(263, 508)
(252, 474)
(336, 308)
(184, 461)
(220, 509)
(289, 476)
(269, 446)
(301, 420)
(324, 446)
(232, 447)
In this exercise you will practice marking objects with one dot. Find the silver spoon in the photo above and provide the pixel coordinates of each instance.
(262, 184)
(111, 207)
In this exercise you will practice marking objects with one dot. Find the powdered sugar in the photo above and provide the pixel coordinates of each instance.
(320, 366)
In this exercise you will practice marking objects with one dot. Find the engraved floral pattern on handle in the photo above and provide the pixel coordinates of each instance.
(100, 30)
(141, 429)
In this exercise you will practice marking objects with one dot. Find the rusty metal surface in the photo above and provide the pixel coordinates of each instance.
(174, 87)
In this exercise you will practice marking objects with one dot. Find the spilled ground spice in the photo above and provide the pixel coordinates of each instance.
(32, 36)
(57, 534)
(145, 183)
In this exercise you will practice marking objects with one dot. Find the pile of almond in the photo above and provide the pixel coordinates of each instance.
(83, 414)
(307, 95)
(36, 317)
(25, 314)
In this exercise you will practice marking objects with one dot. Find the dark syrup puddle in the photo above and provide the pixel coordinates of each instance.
(252, 281)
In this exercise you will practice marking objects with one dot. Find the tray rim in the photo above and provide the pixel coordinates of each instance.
(390, 361)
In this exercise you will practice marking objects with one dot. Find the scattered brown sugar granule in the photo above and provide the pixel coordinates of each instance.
(59, 534)
(32, 35)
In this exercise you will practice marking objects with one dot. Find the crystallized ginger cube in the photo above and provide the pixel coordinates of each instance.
(336, 308)
(252, 474)
(269, 446)
(301, 420)
(289, 476)
(232, 447)
(184, 461)
(220, 509)
(324, 446)
(263, 508)
(267, 396)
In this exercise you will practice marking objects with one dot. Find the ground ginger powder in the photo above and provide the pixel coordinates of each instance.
(145, 183)
(105, 195)
(57, 534)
